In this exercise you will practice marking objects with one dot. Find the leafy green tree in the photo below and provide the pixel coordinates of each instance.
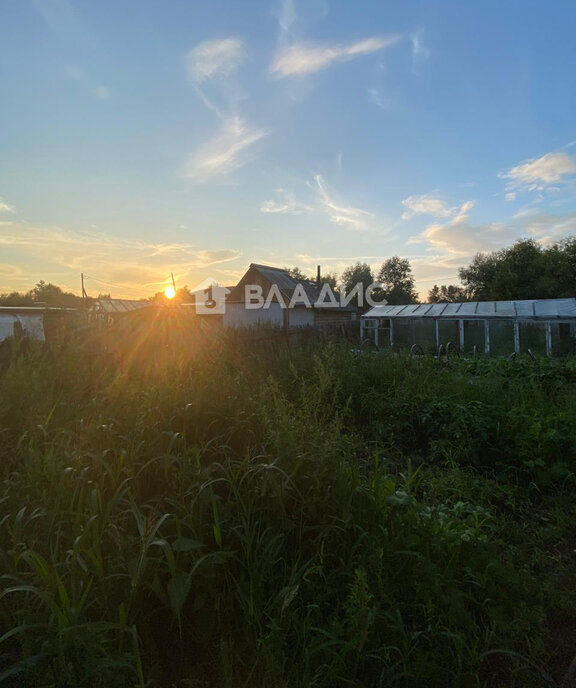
(397, 281)
(359, 273)
(525, 270)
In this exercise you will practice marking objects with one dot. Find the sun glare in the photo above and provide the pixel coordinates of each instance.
(169, 292)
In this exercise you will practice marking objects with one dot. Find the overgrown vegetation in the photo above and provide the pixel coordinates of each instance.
(176, 513)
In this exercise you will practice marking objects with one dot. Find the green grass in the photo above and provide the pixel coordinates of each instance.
(176, 513)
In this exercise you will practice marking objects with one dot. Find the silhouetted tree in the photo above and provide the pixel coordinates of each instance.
(297, 274)
(397, 281)
(330, 278)
(449, 293)
(359, 273)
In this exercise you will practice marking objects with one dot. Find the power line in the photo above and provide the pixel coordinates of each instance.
(439, 279)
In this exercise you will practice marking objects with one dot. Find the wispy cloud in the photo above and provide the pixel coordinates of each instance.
(420, 52)
(427, 204)
(79, 75)
(215, 59)
(376, 98)
(347, 216)
(135, 265)
(300, 59)
(101, 92)
(286, 204)
(6, 207)
(225, 152)
(539, 174)
(287, 16)
(321, 202)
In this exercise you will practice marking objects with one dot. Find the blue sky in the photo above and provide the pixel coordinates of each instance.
(140, 137)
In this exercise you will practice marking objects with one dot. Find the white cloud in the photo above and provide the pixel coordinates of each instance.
(286, 203)
(458, 238)
(437, 207)
(510, 196)
(6, 207)
(225, 152)
(538, 174)
(376, 98)
(349, 217)
(300, 59)
(215, 59)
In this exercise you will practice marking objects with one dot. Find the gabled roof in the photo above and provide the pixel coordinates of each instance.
(284, 281)
(529, 309)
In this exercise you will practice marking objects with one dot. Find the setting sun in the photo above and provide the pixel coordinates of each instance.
(169, 292)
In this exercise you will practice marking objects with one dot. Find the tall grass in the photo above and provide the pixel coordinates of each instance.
(210, 516)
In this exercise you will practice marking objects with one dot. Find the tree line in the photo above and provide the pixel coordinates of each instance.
(525, 270)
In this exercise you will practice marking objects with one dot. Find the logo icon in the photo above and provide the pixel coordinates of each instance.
(210, 298)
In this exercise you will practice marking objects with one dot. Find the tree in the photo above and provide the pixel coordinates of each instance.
(297, 274)
(330, 278)
(446, 294)
(52, 295)
(359, 273)
(397, 281)
(525, 270)
(15, 298)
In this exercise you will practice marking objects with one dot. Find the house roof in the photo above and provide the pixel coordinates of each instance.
(285, 283)
(530, 309)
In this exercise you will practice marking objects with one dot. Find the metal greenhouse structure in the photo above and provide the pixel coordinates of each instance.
(545, 326)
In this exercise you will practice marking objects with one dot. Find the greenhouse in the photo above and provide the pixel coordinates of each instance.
(539, 327)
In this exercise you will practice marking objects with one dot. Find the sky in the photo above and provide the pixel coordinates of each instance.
(140, 138)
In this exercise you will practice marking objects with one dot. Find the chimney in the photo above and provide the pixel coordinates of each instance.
(318, 275)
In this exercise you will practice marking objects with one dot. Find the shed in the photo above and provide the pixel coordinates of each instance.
(279, 288)
(22, 320)
(545, 326)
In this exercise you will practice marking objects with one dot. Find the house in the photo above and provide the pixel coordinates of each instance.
(543, 326)
(268, 295)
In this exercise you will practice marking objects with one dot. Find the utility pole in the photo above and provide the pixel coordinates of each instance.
(173, 282)
(84, 294)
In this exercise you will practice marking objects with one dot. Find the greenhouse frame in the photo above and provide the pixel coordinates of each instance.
(541, 326)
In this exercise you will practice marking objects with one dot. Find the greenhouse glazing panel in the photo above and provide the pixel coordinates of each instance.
(533, 337)
(474, 335)
(563, 339)
(449, 331)
(425, 334)
(402, 333)
(501, 337)
(383, 332)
